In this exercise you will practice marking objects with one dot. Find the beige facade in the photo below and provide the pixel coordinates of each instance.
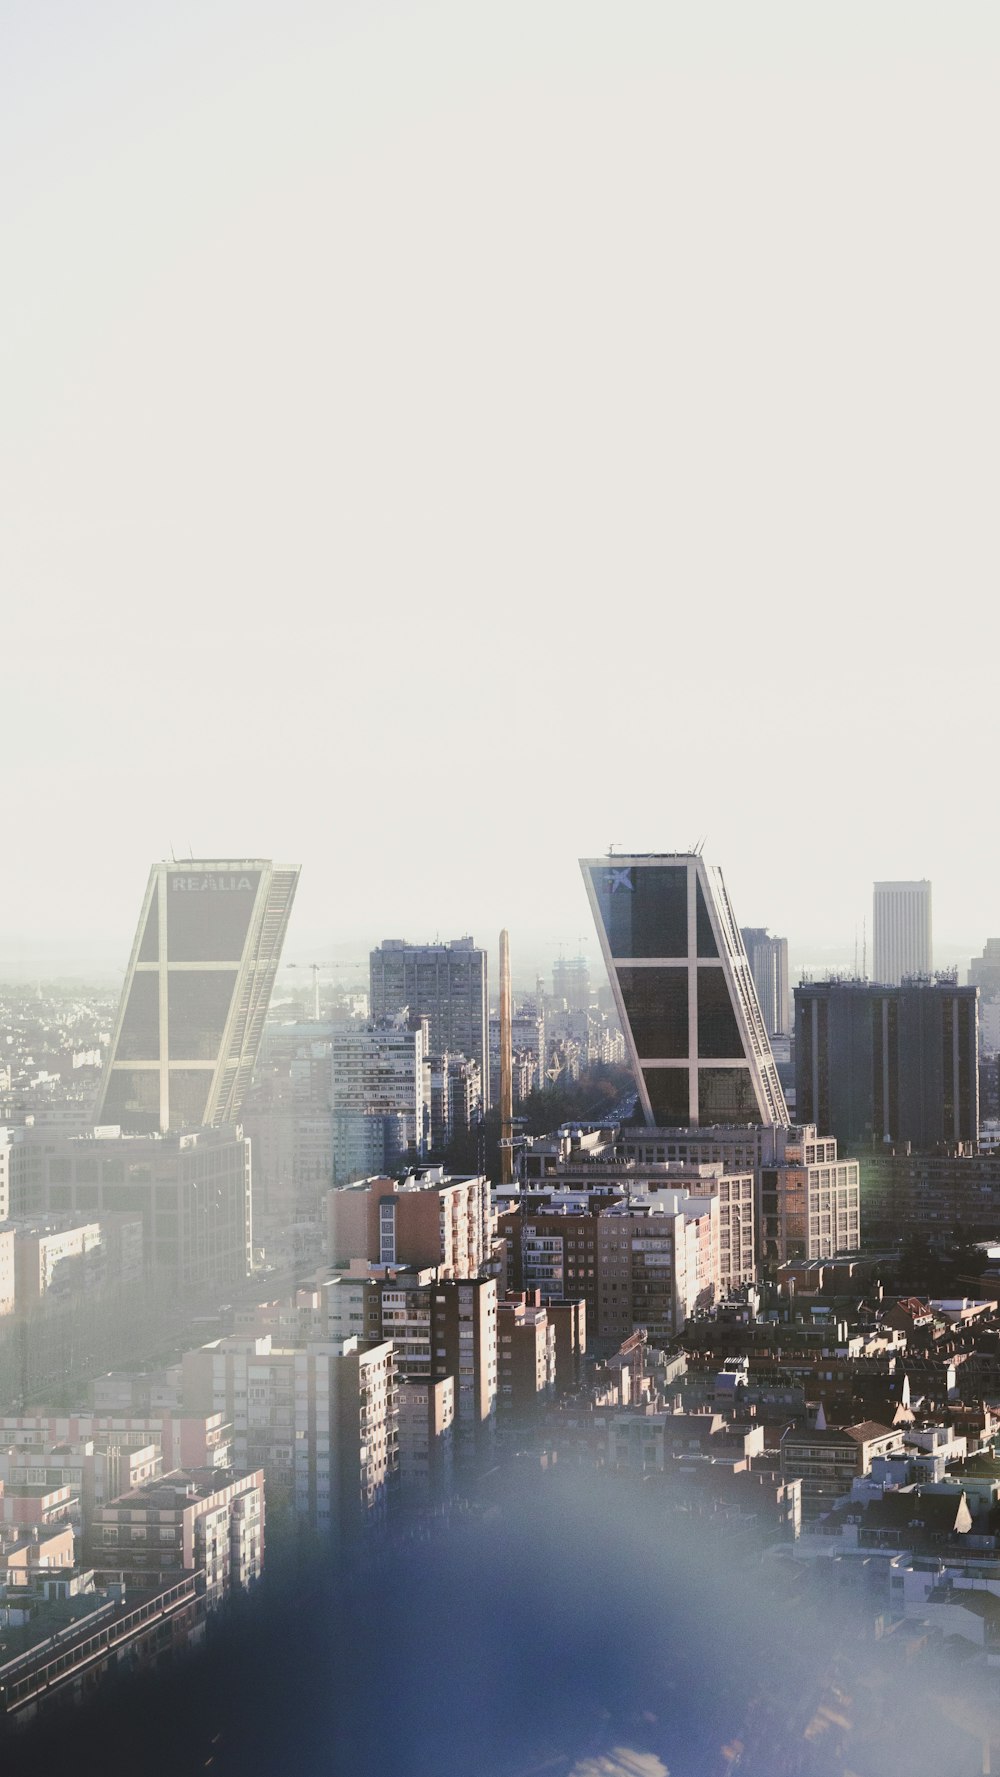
(185, 1440)
(426, 1437)
(95, 1469)
(445, 1327)
(185, 1520)
(526, 1356)
(810, 1204)
(426, 1218)
(250, 1382)
(658, 1263)
(47, 1255)
(346, 1435)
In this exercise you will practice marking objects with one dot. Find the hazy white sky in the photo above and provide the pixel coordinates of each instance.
(441, 439)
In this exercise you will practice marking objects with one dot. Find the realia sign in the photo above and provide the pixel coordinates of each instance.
(194, 885)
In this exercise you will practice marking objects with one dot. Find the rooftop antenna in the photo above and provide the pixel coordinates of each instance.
(864, 952)
(855, 950)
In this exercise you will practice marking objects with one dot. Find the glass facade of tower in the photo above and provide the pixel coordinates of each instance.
(684, 991)
(196, 995)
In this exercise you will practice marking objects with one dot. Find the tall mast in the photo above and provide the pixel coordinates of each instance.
(506, 1071)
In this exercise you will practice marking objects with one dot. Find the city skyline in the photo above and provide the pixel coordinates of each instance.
(103, 952)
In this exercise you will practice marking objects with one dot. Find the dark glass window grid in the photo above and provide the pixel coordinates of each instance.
(198, 1007)
(718, 1029)
(209, 925)
(189, 1089)
(644, 911)
(668, 1094)
(140, 1032)
(656, 1004)
(726, 1095)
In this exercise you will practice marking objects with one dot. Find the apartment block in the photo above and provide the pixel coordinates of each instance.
(381, 1071)
(426, 1438)
(49, 1255)
(809, 1204)
(464, 1345)
(424, 1218)
(826, 1459)
(7, 1271)
(96, 1470)
(250, 1383)
(185, 1440)
(186, 1520)
(346, 1436)
(442, 1327)
(658, 1263)
(526, 1357)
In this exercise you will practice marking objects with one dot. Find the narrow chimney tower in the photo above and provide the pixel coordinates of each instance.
(506, 1068)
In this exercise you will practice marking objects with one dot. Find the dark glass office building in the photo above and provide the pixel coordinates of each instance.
(196, 995)
(684, 991)
(878, 1065)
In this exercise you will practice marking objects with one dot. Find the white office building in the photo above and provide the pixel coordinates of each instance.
(902, 931)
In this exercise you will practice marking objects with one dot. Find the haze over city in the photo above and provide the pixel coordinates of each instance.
(439, 445)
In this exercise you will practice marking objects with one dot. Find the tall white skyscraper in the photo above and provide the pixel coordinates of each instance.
(901, 931)
(769, 966)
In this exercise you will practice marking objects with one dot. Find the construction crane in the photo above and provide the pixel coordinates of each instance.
(316, 967)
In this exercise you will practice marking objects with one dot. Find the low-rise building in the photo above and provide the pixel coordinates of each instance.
(184, 1440)
(182, 1522)
(94, 1469)
(70, 1636)
(53, 1254)
(827, 1458)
